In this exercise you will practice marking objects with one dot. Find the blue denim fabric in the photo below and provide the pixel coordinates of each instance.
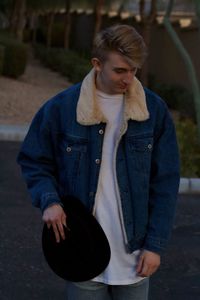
(59, 157)
(99, 291)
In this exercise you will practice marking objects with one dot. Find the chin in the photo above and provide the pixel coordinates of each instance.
(123, 90)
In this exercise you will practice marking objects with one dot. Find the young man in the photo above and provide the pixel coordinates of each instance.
(111, 143)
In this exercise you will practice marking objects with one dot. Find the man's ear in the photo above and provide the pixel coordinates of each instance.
(96, 64)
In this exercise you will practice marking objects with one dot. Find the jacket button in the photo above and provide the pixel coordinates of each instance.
(101, 131)
(68, 149)
(97, 161)
(150, 146)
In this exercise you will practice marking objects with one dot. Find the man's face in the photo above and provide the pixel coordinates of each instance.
(115, 74)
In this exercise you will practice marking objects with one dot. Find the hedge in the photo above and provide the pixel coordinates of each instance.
(189, 147)
(15, 57)
(176, 96)
(66, 62)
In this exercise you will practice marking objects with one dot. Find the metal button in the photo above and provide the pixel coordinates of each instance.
(97, 161)
(150, 146)
(101, 131)
(69, 149)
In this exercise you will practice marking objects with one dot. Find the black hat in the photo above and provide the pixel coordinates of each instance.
(85, 252)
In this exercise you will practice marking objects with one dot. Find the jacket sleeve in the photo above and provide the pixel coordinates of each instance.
(36, 159)
(164, 184)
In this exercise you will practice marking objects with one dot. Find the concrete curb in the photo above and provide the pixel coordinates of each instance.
(189, 186)
(18, 132)
(14, 133)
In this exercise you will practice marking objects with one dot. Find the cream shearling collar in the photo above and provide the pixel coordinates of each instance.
(88, 112)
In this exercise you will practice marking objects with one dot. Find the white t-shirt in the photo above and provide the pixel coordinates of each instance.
(122, 266)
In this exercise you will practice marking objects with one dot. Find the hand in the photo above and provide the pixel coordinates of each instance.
(148, 263)
(55, 216)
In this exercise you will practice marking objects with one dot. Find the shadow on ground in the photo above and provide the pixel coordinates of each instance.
(24, 273)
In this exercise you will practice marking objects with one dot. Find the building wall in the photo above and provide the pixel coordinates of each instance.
(165, 61)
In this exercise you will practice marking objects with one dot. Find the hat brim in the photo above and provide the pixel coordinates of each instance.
(85, 252)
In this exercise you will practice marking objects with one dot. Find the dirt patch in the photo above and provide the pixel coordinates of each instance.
(20, 99)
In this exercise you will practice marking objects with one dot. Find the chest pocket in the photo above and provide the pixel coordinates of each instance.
(75, 147)
(72, 151)
(140, 149)
(141, 144)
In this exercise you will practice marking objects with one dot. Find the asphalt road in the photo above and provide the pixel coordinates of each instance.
(24, 273)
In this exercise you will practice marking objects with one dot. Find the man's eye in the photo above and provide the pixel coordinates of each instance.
(119, 71)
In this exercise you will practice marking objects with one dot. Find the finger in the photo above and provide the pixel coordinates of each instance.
(64, 220)
(61, 230)
(145, 271)
(55, 229)
(48, 225)
(143, 268)
(148, 271)
(140, 264)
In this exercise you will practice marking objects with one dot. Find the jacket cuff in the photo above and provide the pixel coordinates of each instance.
(156, 245)
(49, 199)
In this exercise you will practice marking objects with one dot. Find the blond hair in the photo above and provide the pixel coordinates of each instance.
(123, 39)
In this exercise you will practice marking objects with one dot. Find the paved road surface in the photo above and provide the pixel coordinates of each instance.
(24, 273)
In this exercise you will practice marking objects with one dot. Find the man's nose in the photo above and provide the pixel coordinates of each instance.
(128, 77)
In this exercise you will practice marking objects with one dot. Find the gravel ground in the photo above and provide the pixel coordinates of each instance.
(21, 98)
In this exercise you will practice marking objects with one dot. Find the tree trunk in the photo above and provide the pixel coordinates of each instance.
(187, 60)
(33, 25)
(147, 22)
(50, 21)
(34, 31)
(67, 24)
(18, 19)
(98, 17)
(197, 9)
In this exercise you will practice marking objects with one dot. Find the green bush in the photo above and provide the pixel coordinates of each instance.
(189, 147)
(2, 49)
(177, 97)
(15, 57)
(68, 63)
(80, 71)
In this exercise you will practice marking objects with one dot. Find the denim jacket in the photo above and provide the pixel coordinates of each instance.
(61, 155)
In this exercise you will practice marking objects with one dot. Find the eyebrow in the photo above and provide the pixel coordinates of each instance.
(124, 69)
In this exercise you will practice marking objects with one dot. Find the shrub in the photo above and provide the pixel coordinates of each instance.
(189, 147)
(80, 71)
(15, 57)
(177, 97)
(66, 62)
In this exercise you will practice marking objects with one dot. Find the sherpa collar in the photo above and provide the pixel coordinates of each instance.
(88, 112)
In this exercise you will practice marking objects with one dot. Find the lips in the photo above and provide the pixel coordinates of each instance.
(123, 86)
